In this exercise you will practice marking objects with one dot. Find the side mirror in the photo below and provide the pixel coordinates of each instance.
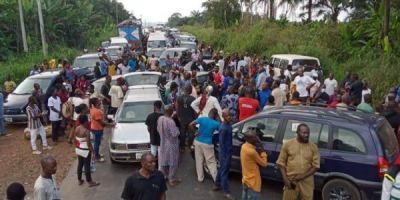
(237, 134)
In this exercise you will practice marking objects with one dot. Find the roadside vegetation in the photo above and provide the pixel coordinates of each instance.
(359, 45)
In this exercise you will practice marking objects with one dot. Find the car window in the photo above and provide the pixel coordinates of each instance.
(323, 137)
(276, 62)
(315, 130)
(267, 128)
(388, 140)
(349, 141)
(283, 64)
(26, 87)
(134, 112)
(86, 62)
(142, 79)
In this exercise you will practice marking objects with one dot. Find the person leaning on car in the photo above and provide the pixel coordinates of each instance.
(298, 161)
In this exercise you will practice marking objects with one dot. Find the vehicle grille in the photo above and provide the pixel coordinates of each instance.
(12, 111)
(139, 146)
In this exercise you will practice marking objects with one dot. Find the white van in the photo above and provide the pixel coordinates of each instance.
(282, 61)
(118, 41)
(156, 40)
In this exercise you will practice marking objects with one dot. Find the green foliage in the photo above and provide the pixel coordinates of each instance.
(223, 13)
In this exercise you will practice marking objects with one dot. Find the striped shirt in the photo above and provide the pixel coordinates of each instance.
(33, 112)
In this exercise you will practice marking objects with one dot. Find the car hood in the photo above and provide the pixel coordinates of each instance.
(16, 101)
(130, 133)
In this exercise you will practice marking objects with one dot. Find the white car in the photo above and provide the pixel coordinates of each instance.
(100, 82)
(281, 61)
(130, 139)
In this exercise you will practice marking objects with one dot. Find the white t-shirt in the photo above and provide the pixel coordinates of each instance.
(241, 63)
(364, 92)
(56, 103)
(221, 64)
(117, 96)
(330, 86)
(124, 69)
(76, 101)
(46, 189)
(302, 82)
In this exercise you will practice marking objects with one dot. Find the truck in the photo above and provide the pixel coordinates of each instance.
(131, 29)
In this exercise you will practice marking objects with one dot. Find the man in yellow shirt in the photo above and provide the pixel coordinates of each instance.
(9, 86)
(252, 156)
(298, 161)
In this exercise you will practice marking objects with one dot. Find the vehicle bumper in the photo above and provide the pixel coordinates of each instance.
(127, 155)
(16, 119)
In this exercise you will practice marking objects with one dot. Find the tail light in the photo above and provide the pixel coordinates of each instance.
(383, 166)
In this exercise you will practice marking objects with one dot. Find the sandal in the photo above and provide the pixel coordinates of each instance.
(80, 182)
(93, 184)
(175, 182)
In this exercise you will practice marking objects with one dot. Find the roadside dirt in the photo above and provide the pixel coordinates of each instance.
(17, 164)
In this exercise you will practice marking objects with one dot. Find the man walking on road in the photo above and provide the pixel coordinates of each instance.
(185, 114)
(45, 185)
(147, 183)
(298, 161)
(151, 123)
(225, 154)
(252, 156)
(54, 104)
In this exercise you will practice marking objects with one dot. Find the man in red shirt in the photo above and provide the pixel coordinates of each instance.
(248, 106)
(218, 77)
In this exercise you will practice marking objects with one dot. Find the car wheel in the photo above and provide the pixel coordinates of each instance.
(339, 189)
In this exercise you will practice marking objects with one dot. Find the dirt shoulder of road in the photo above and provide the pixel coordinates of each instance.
(17, 164)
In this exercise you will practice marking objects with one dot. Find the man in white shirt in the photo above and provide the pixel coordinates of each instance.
(54, 104)
(241, 63)
(45, 185)
(330, 85)
(303, 84)
(123, 67)
(203, 104)
(117, 95)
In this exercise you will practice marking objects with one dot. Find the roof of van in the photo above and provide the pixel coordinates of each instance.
(293, 56)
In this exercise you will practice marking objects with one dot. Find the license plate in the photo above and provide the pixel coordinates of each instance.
(8, 119)
(138, 156)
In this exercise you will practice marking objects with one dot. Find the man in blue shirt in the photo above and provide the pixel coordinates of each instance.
(203, 145)
(225, 154)
(103, 67)
(264, 94)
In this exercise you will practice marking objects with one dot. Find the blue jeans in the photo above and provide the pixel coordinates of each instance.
(223, 172)
(249, 194)
(2, 127)
(98, 135)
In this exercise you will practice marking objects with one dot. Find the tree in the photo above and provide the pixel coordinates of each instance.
(331, 9)
(223, 13)
(22, 24)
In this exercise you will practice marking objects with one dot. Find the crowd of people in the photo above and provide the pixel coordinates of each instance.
(238, 87)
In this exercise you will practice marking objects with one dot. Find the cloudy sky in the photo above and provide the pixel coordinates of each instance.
(159, 10)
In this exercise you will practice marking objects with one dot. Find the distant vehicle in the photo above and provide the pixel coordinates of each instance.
(15, 106)
(356, 148)
(87, 61)
(100, 82)
(130, 138)
(190, 45)
(156, 40)
(155, 51)
(118, 41)
(112, 52)
(131, 30)
(171, 51)
(186, 38)
(281, 61)
(142, 78)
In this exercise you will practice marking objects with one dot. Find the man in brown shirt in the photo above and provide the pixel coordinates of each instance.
(298, 161)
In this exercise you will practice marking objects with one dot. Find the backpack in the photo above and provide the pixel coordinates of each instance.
(67, 109)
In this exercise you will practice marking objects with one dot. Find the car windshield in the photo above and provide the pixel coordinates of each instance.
(189, 46)
(134, 112)
(86, 62)
(156, 53)
(142, 79)
(112, 52)
(26, 87)
(170, 53)
(388, 140)
(308, 64)
(157, 44)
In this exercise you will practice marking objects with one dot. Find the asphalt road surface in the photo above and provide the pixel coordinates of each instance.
(112, 178)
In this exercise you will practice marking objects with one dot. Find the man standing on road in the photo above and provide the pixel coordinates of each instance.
(330, 85)
(185, 115)
(248, 106)
(105, 89)
(54, 104)
(252, 156)
(298, 161)
(303, 85)
(147, 183)
(151, 123)
(45, 185)
(225, 154)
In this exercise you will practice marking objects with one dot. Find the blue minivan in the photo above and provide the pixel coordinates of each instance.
(356, 148)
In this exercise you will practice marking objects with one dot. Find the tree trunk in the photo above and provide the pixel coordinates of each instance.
(271, 10)
(41, 24)
(309, 7)
(386, 24)
(22, 24)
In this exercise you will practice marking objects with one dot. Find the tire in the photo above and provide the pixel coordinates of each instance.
(336, 189)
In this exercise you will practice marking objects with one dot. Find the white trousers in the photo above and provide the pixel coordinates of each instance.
(34, 133)
(205, 152)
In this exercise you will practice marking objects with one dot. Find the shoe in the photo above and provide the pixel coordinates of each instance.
(175, 183)
(100, 160)
(47, 148)
(36, 152)
(80, 182)
(229, 196)
(216, 188)
(93, 184)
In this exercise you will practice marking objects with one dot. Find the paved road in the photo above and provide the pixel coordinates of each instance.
(112, 178)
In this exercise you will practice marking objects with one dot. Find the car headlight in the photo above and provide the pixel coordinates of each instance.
(116, 146)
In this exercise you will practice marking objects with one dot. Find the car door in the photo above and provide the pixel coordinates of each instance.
(319, 135)
(268, 128)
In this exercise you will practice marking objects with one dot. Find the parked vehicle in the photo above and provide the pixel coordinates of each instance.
(130, 138)
(112, 52)
(356, 148)
(156, 52)
(100, 82)
(118, 41)
(156, 40)
(131, 30)
(87, 61)
(15, 106)
(142, 78)
(190, 45)
(281, 61)
(171, 51)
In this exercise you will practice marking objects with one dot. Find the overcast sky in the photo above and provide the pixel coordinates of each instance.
(159, 10)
